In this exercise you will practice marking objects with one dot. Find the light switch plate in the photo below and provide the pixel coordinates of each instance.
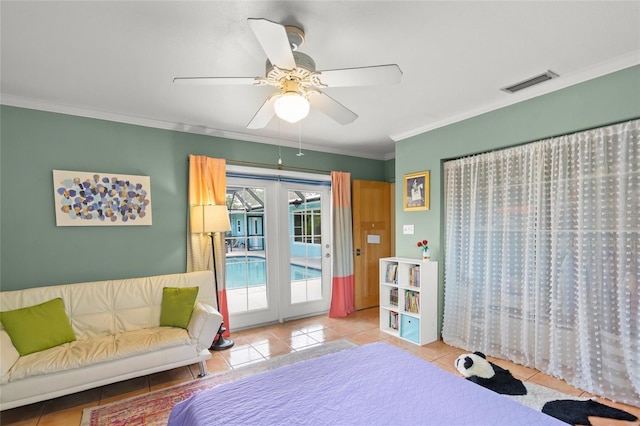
(407, 229)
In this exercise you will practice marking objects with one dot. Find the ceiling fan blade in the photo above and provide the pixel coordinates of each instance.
(332, 108)
(274, 41)
(365, 76)
(218, 81)
(264, 114)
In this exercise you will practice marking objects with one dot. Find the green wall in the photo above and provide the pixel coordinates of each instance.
(601, 101)
(34, 252)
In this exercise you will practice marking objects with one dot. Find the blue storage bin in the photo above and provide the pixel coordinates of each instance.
(410, 328)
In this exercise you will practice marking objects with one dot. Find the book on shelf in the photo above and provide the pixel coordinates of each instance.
(393, 297)
(391, 274)
(414, 276)
(412, 301)
(393, 320)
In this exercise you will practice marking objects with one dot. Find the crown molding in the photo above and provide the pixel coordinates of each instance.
(40, 105)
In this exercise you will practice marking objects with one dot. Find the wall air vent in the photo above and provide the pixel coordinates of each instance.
(530, 82)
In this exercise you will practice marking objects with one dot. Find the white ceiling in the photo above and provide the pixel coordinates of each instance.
(116, 60)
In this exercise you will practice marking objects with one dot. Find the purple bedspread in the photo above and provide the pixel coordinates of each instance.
(375, 384)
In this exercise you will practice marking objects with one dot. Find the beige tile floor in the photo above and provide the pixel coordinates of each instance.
(258, 344)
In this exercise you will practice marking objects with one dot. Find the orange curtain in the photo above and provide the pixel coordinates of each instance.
(208, 185)
(342, 285)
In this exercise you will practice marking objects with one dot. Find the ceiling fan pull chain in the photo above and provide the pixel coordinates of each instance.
(279, 145)
(300, 153)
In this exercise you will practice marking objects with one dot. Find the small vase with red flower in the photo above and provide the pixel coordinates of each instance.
(426, 253)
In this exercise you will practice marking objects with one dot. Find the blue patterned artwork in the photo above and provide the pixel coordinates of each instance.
(101, 199)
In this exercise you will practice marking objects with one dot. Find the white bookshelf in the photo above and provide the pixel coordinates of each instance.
(409, 299)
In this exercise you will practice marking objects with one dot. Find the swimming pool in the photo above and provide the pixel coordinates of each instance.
(252, 272)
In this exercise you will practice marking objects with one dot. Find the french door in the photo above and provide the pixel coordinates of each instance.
(278, 263)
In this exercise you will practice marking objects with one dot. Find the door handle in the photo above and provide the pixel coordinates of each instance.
(357, 252)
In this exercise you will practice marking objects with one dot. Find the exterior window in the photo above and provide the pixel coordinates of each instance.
(306, 226)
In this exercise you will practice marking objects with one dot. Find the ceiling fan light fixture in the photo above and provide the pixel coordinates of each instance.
(295, 79)
(291, 107)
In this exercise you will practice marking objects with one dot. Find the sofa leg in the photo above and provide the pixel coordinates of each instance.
(203, 369)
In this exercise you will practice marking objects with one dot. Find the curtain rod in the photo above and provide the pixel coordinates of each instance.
(278, 167)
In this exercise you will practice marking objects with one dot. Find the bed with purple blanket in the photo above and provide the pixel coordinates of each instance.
(374, 384)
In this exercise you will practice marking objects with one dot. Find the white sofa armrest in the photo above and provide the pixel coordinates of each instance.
(204, 324)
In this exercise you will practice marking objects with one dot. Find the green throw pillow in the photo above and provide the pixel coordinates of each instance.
(39, 327)
(177, 306)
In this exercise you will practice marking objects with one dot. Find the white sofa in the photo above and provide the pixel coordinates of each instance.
(118, 337)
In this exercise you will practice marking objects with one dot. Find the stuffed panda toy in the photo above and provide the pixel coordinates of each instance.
(476, 368)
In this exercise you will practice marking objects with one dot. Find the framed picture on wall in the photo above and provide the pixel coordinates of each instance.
(416, 191)
(101, 199)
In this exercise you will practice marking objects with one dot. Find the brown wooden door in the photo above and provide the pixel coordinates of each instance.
(371, 238)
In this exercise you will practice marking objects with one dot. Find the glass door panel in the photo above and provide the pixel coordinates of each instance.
(306, 246)
(309, 266)
(250, 265)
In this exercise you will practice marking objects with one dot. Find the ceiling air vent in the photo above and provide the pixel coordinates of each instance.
(530, 82)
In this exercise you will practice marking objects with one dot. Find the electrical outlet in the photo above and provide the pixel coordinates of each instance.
(407, 229)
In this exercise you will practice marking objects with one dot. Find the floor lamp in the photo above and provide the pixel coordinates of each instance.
(212, 219)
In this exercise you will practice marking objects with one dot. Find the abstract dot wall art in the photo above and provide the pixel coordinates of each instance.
(101, 199)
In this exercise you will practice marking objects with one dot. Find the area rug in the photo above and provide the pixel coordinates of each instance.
(154, 408)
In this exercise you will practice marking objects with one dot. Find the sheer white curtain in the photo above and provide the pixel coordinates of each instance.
(542, 253)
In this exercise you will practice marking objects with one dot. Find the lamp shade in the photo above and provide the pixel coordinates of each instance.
(210, 218)
(291, 107)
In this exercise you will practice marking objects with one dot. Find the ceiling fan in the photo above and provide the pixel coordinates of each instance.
(294, 75)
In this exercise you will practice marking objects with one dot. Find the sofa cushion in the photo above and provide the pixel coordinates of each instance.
(95, 350)
(38, 327)
(8, 353)
(177, 306)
